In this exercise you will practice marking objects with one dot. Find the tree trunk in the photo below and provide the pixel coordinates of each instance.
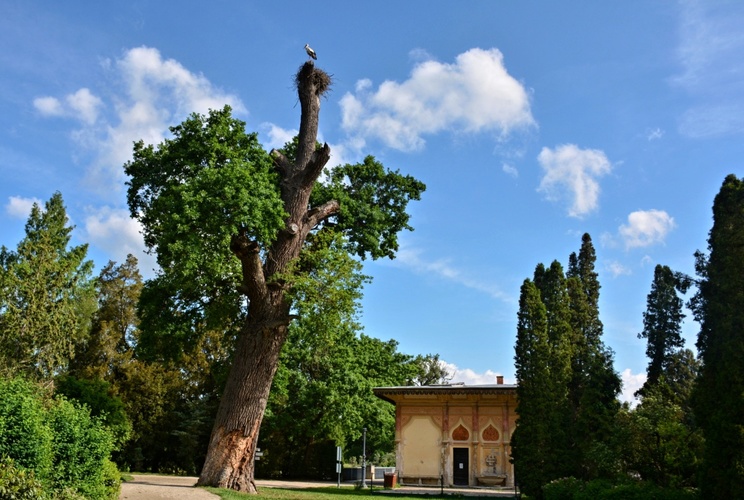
(229, 462)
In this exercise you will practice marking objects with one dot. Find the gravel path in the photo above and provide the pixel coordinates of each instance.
(149, 487)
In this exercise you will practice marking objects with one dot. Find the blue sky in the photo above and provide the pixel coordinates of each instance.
(530, 122)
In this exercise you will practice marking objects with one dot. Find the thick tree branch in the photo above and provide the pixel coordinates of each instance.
(318, 214)
(254, 282)
(281, 162)
(316, 164)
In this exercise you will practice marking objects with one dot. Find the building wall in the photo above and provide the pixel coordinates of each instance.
(430, 427)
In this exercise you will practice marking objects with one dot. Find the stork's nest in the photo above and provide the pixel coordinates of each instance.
(317, 78)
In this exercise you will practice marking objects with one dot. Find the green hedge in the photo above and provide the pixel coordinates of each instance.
(570, 488)
(55, 443)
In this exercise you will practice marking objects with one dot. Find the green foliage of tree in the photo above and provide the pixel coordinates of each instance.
(114, 331)
(431, 370)
(594, 384)
(567, 387)
(658, 443)
(662, 324)
(372, 205)
(228, 223)
(533, 451)
(46, 295)
(718, 305)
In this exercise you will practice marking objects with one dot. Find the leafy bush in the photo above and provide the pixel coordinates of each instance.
(25, 436)
(570, 488)
(17, 483)
(111, 480)
(96, 395)
(82, 447)
(564, 488)
(51, 448)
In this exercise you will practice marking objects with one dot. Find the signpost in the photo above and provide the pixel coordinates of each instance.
(338, 465)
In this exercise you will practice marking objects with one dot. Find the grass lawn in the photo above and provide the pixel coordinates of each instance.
(330, 493)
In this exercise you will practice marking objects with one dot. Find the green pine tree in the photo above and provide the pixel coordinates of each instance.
(718, 305)
(46, 295)
(662, 325)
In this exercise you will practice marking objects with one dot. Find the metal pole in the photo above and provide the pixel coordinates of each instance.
(364, 457)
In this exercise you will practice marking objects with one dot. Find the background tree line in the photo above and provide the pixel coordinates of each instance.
(684, 438)
(154, 385)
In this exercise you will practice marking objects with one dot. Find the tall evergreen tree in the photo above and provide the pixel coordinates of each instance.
(662, 324)
(577, 400)
(46, 295)
(532, 452)
(113, 332)
(718, 305)
(594, 384)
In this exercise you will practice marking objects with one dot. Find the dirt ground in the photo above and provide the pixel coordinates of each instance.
(149, 487)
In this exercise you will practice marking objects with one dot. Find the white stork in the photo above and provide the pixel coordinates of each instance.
(310, 51)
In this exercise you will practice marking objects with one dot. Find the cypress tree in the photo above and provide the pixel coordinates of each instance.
(594, 384)
(577, 400)
(718, 305)
(532, 452)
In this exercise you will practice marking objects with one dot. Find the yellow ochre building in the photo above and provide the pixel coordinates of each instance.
(455, 433)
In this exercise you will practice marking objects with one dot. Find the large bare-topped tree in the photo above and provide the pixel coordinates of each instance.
(228, 222)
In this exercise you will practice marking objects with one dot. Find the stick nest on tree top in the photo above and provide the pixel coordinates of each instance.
(318, 78)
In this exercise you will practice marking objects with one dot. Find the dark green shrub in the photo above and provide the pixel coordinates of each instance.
(82, 447)
(25, 436)
(17, 483)
(96, 395)
(570, 488)
(564, 488)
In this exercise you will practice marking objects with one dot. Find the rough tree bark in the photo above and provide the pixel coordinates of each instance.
(229, 462)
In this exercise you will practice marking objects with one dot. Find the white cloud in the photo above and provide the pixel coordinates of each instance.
(571, 174)
(510, 170)
(654, 134)
(631, 383)
(154, 94)
(20, 208)
(617, 269)
(646, 228)
(475, 94)
(116, 233)
(277, 136)
(48, 106)
(412, 259)
(82, 105)
(470, 377)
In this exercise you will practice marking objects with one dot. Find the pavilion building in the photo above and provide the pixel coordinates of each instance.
(453, 435)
